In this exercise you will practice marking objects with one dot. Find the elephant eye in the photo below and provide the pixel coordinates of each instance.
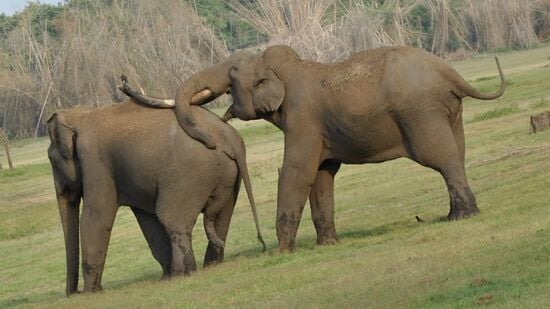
(260, 82)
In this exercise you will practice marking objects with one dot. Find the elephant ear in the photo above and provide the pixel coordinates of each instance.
(269, 92)
(62, 135)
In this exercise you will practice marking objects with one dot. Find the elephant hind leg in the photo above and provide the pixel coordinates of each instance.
(321, 200)
(179, 220)
(433, 143)
(156, 238)
(218, 215)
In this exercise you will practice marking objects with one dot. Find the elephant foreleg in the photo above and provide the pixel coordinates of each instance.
(297, 176)
(157, 239)
(321, 199)
(96, 226)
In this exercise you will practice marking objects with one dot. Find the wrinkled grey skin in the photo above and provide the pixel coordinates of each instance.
(379, 105)
(128, 154)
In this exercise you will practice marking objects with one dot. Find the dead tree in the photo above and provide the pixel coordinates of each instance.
(5, 141)
(540, 122)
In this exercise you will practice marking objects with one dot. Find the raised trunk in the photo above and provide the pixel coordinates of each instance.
(201, 88)
(68, 203)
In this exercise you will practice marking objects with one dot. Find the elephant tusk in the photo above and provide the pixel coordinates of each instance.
(168, 102)
(201, 96)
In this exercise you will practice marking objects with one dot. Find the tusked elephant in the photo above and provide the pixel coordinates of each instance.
(128, 154)
(379, 105)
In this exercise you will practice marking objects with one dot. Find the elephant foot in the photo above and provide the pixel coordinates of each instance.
(210, 264)
(457, 213)
(463, 203)
(284, 250)
(180, 274)
(325, 241)
(93, 290)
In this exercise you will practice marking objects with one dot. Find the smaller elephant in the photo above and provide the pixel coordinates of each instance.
(128, 154)
(540, 122)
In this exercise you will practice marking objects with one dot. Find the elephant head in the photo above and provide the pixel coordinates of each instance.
(201, 88)
(253, 80)
(257, 86)
(68, 186)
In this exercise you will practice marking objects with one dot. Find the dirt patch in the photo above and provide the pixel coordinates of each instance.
(510, 153)
(484, 299)
(479, 281)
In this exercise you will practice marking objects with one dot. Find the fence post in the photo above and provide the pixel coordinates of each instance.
(5, 141)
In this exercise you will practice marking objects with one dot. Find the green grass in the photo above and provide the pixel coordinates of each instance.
(495, 113)
(385, 259)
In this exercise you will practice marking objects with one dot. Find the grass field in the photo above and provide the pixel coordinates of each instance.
(385, 259)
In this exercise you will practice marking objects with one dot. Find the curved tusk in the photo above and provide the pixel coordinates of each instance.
(201, 96)
(168, 102)
(147, 100)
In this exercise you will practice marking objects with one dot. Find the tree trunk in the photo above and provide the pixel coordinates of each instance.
(5, 141)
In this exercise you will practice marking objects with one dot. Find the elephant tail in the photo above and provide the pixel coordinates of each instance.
(466, 90)
(211, 234)
(68, 203)
(240, 158)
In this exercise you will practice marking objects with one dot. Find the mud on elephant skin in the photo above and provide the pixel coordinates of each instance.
(379, 105)
(127, 154)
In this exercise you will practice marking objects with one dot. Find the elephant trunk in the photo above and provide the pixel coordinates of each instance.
(68, 203)
(183, 102)
(199, 89)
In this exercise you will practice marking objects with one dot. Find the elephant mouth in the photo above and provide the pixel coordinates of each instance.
(228, 114)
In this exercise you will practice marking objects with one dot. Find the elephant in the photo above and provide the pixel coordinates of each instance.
(137, 156)
(376, 106)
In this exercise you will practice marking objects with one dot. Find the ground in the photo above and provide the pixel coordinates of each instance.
(385, 258)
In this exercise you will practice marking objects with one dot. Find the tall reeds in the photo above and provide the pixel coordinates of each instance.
(157, 44)
(329, 30)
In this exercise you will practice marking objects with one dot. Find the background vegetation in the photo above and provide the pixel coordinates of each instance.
(54, 57)
(385, 258)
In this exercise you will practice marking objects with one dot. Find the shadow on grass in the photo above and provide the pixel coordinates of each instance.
(309, 242)
(38, 299)
(122, 283)
(381, 229)
(52, 296)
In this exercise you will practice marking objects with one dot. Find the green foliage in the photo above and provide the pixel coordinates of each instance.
(21, 213)
(24, 172)
(231, 29)
(7, 24)
(43, 18)
(542, 103)
(495, 113)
